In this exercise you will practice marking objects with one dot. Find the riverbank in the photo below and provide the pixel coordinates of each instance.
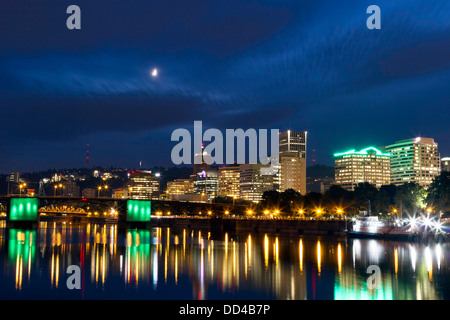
(254, 225)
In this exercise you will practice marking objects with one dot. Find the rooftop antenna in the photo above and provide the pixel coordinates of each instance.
(87, 156)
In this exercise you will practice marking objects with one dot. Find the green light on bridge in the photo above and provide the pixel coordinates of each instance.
(23, 209)
(138, 210)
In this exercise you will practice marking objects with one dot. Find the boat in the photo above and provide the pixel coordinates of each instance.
(372, 227)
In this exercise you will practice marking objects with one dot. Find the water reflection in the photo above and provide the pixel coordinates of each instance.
(197, 264)
(21, 254)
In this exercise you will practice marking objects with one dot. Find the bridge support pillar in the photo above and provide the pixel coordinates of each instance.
(134, 214)
(22, 213)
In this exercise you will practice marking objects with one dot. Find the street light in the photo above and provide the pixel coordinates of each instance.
(395, 212)
(319, 212)
(23, 185)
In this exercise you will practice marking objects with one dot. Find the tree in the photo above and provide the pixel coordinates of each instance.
(364, 192)
(338, 196)
(290, 201)
(439, 193)
(223, 199)
(391, 191)
(410, 198)
(381, 202)
(271, 198)
(312, 201)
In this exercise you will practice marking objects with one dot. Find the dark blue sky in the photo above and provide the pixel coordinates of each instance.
(300, 65)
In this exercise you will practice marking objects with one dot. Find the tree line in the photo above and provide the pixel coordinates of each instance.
(409, 199)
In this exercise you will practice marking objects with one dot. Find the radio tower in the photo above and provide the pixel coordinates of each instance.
(87, 156)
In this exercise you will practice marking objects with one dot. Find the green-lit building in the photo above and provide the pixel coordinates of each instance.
(368, 165)
(414, 160)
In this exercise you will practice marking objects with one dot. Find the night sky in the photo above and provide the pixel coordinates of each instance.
(299, 65)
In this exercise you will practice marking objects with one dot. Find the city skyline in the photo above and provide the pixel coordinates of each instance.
(216, 152)
(302, 66)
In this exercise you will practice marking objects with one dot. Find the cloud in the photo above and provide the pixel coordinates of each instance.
(65, 118)
(297, 64)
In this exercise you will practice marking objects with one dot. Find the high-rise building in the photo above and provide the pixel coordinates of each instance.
(12, 180)
(88, 193)
(445, 164)
(14, 177)
(120, 193)
(293, 175)
(253, 183)
(179, 187)
(229, 181)
(368, 165)
(70, 189)
(293, 141)
(201, 161)
(206, 183)
(143, 184)
(292, 171)
(414, 160)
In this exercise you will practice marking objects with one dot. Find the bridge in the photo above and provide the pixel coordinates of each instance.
(26, 212)
(18, 211)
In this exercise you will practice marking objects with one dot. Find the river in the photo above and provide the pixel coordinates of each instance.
(164, 263)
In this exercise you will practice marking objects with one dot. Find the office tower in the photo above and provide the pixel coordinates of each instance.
(445, 164)
(368, 165)
(253, 183)
(179, 187)
(229, 181)
(88, 193)
(12, 180)
(292, 170)
(414, 160)
(292, 161)
(206, 183)
(14, 177)
(120, 193)
(143, 185)
(319, 184)
(203, 158)
(70, 189)
(292, 141)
